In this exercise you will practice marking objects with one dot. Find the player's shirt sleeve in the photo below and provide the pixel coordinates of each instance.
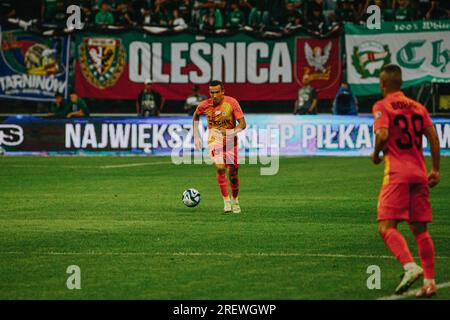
(236, 110)
(201, 108)
(381, 117)
(427, 122)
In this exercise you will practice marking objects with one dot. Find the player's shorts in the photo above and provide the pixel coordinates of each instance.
(405, 201)
(220, 155)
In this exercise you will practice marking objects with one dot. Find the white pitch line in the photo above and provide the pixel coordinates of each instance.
(126, 165)
(213, 254)
(411, 292)
(129, 165)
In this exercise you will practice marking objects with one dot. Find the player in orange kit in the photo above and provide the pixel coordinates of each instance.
(222, 112)
(399, 125)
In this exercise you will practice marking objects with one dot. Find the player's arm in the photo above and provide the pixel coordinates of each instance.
(381, 137)
(195, 121)
(240, 126)
(435, 149)
(78, 113)
(381, 128)
(314, 102)
(295, 106)
(313, 105)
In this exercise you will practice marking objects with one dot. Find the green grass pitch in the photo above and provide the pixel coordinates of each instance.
(308, 232)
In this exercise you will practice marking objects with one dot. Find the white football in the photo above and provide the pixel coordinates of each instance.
(191, 197)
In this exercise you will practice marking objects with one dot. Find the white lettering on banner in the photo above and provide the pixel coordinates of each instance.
(322, 136)
(241, 67)
(443, 135)
(73, 135)
(201, 63)
(178, 62)
(330, 135)
(310, 137)
(252, 62)
(279, 70)
(89, 137)
(224, 58)
(363, 138)
(139, 61)
(44, 84)
(119, 135)
(344, 137)
(233, 62)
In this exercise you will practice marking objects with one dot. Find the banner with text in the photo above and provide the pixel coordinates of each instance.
(420, 48)
(116, 66)
(33, 67)
(290, 135)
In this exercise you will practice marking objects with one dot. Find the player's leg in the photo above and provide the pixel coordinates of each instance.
(216, 154)
(426, 253)
(420, 216)
(234, 182)
(395, 241)
(221, 175)
(394, 204)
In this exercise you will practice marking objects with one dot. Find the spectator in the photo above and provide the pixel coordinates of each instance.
(48, 10)
(404, 11)
(255, 17)
(386, 13)
(274, 15)
(58, 108)
(193, 100)
(436, 11)
(149, 101)
(315, 17)
(236, 18)
(294, 18)
(345, 102)
(346, 12)
(185, 8)
(104, 16)
(6, 9)
(88, 16)
(124, 15)
(178, 22)
(162, 15)
(296, 4)
(306, 102)
(77, 107)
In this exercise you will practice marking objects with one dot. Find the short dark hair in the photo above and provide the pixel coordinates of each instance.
(58, 95)
(394, 75)
(216, 83)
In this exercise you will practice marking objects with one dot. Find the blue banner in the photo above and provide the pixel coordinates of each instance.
(286, 135)
(33, 67)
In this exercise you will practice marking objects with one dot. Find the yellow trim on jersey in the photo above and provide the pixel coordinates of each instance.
(387, 169)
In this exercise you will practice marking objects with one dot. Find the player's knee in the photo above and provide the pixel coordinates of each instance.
(384, 228)
(221, 170)
(418, 228)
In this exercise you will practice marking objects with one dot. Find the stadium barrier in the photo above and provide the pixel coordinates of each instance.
(284, 135)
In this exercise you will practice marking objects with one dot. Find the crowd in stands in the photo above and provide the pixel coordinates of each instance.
(215, 16)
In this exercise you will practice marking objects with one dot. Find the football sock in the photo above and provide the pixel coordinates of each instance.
(397, 244)
(428, 281)
(223, 185)
(426, 253)
(234, 187)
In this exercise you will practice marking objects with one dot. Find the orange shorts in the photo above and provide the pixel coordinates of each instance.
(219, 154)
(405, 201)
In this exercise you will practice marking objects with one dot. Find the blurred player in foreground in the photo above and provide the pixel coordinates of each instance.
(399, 126)
(222, 112)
